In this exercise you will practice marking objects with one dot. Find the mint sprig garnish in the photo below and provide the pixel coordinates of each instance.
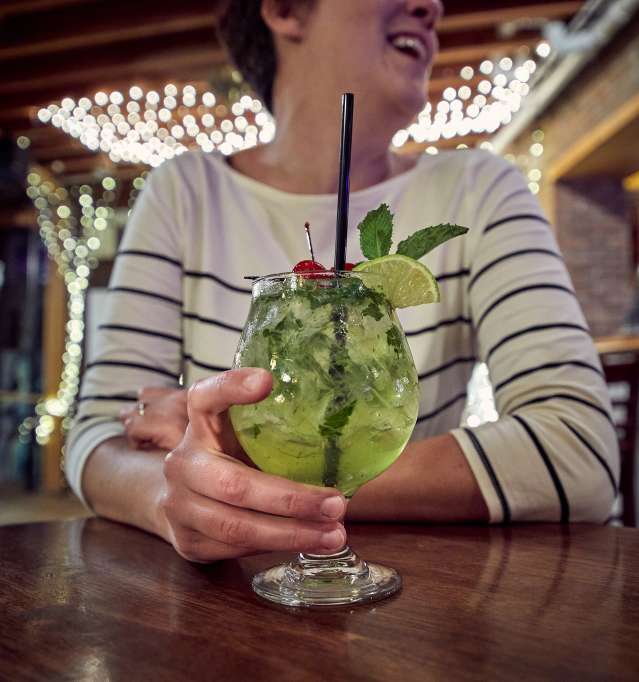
(375, 232)
(376, 236)
(421, 242)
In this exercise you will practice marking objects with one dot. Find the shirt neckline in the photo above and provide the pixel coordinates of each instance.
(269, 192)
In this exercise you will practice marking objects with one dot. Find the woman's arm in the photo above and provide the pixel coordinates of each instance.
(553, 453)
(138, 342)
(126, 485)
(431, 481)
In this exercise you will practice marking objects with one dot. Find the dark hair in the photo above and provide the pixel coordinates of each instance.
(250, 45)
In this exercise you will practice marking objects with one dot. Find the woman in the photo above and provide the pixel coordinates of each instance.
(178, 301)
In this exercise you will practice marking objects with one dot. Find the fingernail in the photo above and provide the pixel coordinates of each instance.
(253, 381)
(332, 507)
(333, 540)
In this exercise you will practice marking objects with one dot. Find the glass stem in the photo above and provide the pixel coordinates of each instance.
(343, 553)
(344, 564)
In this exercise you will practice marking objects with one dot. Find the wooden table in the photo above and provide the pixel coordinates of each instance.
(93, 600)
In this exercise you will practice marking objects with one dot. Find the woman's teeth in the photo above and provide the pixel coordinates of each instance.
(410, 45)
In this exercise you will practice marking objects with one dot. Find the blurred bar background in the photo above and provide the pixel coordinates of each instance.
(96, 93)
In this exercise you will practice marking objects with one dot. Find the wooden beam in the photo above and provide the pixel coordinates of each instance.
(70, 149)
(28, 6)
(16, 117)
(123, 173)
(196, 63)
(86, 165)
(472, 53)
(493, 17)
(587, 144)
(631, 183)
(42, 135)
(87, 81)
(148, 55)
(147, 29)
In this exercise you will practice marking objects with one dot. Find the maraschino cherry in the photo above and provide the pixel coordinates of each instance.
(308, 266)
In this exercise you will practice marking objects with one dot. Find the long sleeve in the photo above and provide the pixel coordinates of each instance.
(553, 453)
(139, 339)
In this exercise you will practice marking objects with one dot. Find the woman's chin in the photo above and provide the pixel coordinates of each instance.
(409, 101)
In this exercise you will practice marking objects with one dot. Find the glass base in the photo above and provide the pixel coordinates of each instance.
(326, 580)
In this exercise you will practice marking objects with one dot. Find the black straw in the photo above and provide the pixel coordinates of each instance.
(348, 102)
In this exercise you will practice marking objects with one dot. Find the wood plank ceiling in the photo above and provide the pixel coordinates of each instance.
(50, 49)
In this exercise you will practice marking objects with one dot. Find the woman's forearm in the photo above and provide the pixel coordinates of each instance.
(125, 484)
(430, 481)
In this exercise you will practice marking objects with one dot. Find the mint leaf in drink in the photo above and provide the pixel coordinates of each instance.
(423, 241)
(373, 310)
(394, 338)
(375, 232)
(334, 423)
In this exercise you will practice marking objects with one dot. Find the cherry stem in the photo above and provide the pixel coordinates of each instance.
(307, 227)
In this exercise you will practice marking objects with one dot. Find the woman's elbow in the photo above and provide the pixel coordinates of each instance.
(593, 497)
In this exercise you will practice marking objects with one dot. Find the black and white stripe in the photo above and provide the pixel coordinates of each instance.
(552, 471)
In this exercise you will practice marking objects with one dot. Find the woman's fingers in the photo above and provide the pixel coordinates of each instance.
(224, 479)
(154, 428)
(173, 398)
(194, 546)
(161, 423)
(214, 395)
(251, 530)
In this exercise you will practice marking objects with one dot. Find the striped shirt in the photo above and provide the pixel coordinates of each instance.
(178, 300)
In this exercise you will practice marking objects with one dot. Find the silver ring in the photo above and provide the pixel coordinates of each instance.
(141, 407)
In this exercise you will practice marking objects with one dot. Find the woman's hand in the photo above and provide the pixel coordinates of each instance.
(215, 507)
(161, 424)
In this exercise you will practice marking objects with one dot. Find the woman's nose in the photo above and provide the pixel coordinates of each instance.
(429, 10)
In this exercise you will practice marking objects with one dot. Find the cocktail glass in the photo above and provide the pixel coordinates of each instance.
(343, 406)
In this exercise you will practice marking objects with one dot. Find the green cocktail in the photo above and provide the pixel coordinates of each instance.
(344, 399)
(343, 405)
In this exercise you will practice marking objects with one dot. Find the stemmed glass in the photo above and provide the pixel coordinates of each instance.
(343, 406)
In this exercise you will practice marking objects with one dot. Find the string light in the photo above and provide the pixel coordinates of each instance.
(150, 127)
(70, 223)
(482, 107)
(530, 164)
(543, 50)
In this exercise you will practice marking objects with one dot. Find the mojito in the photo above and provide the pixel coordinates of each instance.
(345, 396)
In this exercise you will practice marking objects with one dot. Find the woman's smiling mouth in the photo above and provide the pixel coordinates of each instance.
(412, 45)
